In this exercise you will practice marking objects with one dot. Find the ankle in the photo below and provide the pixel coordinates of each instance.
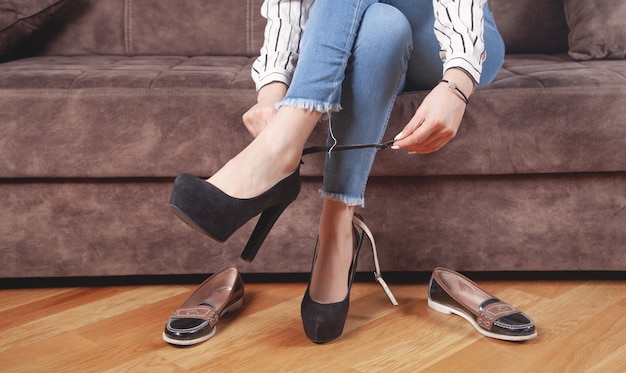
(336, 219)
(277, 151)
(286, 135)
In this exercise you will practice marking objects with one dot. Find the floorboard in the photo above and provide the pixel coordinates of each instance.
(581, 325)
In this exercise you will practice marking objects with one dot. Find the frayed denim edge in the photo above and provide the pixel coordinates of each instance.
(312, 105)
(349, 201)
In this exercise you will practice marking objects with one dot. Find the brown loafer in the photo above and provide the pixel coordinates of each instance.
(452, 293)
(195, 321)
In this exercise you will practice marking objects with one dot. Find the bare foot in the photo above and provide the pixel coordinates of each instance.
(272, 156)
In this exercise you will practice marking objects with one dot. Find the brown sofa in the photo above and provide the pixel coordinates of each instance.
(104, 102)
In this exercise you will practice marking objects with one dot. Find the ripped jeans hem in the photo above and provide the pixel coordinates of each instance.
(312, 105)
(348, 200)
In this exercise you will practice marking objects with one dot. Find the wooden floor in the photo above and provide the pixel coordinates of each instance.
(581, 326)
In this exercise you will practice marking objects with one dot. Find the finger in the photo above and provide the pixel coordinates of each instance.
(417, 138)
(248, 121)
(432, 144)
(423, 140)
(428, 148)
(407, 135)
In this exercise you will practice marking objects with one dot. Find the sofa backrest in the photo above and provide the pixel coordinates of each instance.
(531, 26)
(157, 27)
(235, 27)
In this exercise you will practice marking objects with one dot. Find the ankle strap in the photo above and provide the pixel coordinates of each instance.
(338, 148)
(377, 275)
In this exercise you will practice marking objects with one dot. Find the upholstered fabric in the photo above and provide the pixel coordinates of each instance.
(157, 27)
(481, 223)
(157, 116)
(20, 19)
(597, 29)
(531, 26)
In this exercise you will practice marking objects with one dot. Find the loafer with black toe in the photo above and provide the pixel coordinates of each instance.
(452, 293)
(195, 321)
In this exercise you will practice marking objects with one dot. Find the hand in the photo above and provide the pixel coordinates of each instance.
(257, 117)
(438, 118)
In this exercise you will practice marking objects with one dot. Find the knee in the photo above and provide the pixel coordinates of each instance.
(494, 46)
(387, 29)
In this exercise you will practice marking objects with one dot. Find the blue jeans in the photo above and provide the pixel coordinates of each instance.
(356, 56)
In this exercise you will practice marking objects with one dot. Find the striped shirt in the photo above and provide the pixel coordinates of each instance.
(458, 28)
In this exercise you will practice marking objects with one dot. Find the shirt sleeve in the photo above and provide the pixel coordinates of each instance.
(459, 27)
(286, 20)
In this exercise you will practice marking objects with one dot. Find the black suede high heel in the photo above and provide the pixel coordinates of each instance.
(324, 322)
(216, 214)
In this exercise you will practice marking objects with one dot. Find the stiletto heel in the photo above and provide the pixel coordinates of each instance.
(324, 322)
(217, 215)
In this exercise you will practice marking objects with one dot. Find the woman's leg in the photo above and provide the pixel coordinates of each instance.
(425, 66)
(315, 89)
(378, 61)
(364, 118)
(372, 80)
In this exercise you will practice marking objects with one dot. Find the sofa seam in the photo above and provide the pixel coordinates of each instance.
(179, 62)
(604, 69)
(249, 26)
(77, 78)
(125, 92)
(30, 15)
(519, 75)
(128, 28)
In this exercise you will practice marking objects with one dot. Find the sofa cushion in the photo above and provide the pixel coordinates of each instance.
(596, 29)
(190, 112)
(79, 72)
(21, 19)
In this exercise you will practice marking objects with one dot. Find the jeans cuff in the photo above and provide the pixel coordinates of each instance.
(348, 200)
(308, 104)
